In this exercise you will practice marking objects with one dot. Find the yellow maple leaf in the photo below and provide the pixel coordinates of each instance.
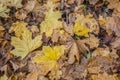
(25, 43)
(50, 57)
(51, 21)
(18, 28)
(80, 30)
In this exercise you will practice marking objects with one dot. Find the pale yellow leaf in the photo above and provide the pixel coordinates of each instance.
(51, 22)
(18, 28)
(25, 44)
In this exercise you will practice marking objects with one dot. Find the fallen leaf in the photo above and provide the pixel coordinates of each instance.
(18, 28)
(92, 41)
(12, 3)
(89, 22)
(21, 14)
(116, 43)
(1, 31)
(80, 30)
(70, 1)
(29, 6)
(101, 52)
(32, 76)
(73, 54)
(34, 29)
(51, 21)
(3, 10)
(50, 57)
(104, 76)
(69, 28)
(82, 47)
(25, 44)
(114, 5)
(112, 25)
(93, 2)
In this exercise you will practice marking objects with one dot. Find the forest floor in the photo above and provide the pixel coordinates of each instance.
(59, 39)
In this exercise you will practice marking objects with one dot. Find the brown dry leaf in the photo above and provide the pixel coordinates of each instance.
(42, 78)
(70, 1)
(116, 43)
(81, 46)
(55, 35)
(104, 76)
(101, 52)
(113, 25)
(101, 63)
(1, 28)
(105, 52)
(4, 68)
(29, 6)
(92, 41)
(34, 29)
(68, 28)
(74, 53)
(94, 70)
(93, 2)
(114, 4)
(1, 31)
(32, 76)
(21, 14)
(60, 36)
(16, 65)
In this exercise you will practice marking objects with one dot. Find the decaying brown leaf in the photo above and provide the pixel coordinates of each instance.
(74, 53)
(112, 25)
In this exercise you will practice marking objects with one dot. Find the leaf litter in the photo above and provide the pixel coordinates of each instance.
(59, 40)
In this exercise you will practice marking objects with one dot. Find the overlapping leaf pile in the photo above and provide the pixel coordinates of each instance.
(59, 40)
